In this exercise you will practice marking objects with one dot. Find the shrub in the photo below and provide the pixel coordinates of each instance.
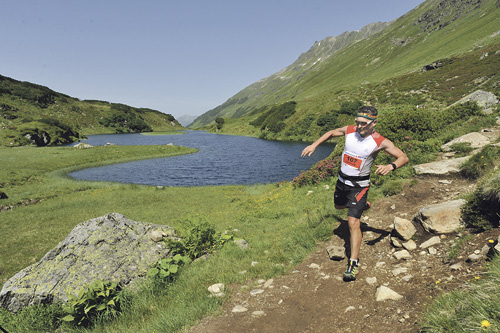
(482, 209)
(398, 125)
(126, 122)
(460, 112)
(100, 298)
(461, 148)
(273, 120)
(481, 163)
(321, 171)
(219, 121)
(197, 238)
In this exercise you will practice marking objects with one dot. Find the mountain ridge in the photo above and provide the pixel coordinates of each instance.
(431, 31)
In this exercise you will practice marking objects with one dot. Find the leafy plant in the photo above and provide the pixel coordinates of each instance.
(197, 238)
(167, 268)
(100, 298)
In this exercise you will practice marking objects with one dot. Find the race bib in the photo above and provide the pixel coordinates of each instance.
(352, 160)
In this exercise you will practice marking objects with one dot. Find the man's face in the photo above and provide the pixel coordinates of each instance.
(364, 126)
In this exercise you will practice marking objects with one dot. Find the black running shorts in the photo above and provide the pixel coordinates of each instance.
(352, 197)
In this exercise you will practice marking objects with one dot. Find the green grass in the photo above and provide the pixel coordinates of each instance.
(282, 226)
(470, 309)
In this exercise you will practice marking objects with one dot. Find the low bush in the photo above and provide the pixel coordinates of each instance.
(481, 163)
(198, 238)
(482, 209)
(100, 299)
(321, 171)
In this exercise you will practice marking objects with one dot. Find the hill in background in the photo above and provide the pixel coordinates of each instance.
(383, 64)
(34, 114)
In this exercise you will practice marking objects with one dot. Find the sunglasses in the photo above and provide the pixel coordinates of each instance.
(363, 123)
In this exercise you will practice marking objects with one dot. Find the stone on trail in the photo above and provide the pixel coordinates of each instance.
(402, 254)
(430, 242)
(441, 218)
(336, 252)
(109, 247)
(443, 167)
(384, 293)
(404, 228)
(239, 309)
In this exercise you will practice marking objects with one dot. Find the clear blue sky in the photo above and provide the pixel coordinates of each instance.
(178, 57)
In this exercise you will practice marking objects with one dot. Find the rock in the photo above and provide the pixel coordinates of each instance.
(336, 252)
(258, 313)
(399, 270)
(217, 290)
(404, 228)
(476, 140)
(156, 235)
(110, 247)
(239, 309)
(314, 266)
(256, 292)
(441, 218)
(407, 278)
(241, 243)
(474, 257)
(384, 293)
(349, 308)
(403, 254)
(83, 145)
(456, 267)
(3, 195)
(371, 280)
(410, 245)
(309, 193)
(432, 251)
(430, 242)
(484, 99)
(443, 167)
(268, 283)
(395, 242)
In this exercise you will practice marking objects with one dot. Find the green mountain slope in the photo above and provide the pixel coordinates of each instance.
(34, 114)
(432, 31)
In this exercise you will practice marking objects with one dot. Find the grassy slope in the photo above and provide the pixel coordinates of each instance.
(377, 59)
(20, 103)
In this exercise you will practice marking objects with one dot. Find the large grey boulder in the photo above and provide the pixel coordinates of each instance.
(476, 140)
(443, 167)
(485, 99)
(110, 247)
(441, 218)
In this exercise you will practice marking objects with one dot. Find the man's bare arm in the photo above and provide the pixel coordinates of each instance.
(309, 150)
(391, 149)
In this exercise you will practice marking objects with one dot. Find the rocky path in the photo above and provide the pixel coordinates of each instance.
(313, 298)
(391, 291)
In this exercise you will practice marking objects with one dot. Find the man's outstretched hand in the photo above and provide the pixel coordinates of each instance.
(308, 151)
(383, 169)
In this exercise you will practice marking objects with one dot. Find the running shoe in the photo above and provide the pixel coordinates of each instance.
(351, 271)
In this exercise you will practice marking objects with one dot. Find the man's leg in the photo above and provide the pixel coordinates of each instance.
(355, 236)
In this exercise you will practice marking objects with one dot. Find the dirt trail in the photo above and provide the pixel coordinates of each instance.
(313, 298)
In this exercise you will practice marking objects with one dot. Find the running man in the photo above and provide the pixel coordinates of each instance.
(362, 145)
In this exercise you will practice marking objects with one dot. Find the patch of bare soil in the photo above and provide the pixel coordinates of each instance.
(314, 298)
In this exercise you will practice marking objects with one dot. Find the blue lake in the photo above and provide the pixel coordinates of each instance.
(221, 160)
